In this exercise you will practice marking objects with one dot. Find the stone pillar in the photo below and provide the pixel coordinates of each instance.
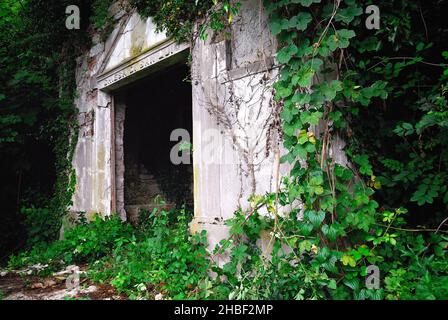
(120, 113)
(235, 141)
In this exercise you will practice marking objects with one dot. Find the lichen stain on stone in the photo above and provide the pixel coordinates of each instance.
(194, 227)
(91, 215)
(100, 158)
(197, 202)
(100, 192)
(98, 178)
(138, 36)
(135, 50)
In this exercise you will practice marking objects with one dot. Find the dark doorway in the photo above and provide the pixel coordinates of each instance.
(154, 107)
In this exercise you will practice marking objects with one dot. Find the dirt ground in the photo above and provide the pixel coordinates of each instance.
(23, 286)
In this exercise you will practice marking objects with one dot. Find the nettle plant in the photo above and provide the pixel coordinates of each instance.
(338, 78)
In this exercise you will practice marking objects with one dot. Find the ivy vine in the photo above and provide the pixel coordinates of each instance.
(338, 79)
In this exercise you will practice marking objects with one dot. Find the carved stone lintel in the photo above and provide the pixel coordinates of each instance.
(150, 61)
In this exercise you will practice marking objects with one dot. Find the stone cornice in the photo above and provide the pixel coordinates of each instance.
(152, 59)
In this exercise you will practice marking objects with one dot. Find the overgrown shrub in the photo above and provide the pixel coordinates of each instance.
(159, 256)
(85, 243)
(41, 225)
(164, 258)
(303, 266)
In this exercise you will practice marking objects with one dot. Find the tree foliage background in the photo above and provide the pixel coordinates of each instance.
(37, 59)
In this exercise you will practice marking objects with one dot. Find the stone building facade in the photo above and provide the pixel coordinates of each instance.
(234, 120)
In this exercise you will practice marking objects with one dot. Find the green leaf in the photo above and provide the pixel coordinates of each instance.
(346, 15)
(300, 21)
(300, 152)
(348, 260)
(239, 252)
(352, 284)
(329, 90)
(332, 284)
(304, 48)
(340, 40)
(312, 118)
(319, 189)
(330, 232)
(364, 164)
(404, 129)
(316, 218)
(303, 77)
(286, 53)
(305, 3)
(306, 228)
(301, 98)
(283, 90)
(303, 137)
(278, 25)
(305, 245)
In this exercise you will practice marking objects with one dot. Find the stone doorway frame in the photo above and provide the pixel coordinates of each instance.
(156, 58)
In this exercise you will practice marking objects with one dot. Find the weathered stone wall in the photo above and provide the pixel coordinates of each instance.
(229, 74)
(236, 137)
(120, 117)
(92, 158)
(109, 65)
(232, 96)
(92, 152)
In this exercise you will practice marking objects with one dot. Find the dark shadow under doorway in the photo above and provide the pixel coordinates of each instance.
(152, 108)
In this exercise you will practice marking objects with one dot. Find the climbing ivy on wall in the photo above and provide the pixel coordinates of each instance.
(384, 92)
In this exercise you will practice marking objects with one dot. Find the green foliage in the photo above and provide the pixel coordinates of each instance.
(315, 260)
(85, 243)
(40, 227)
(383, 91)
(100, 18)
(158, 256)
(322, 250)
(37, 116)
(164, 257)
(419, 273)
(91, 241)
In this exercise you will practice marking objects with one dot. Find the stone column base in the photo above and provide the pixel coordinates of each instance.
(216, 231)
